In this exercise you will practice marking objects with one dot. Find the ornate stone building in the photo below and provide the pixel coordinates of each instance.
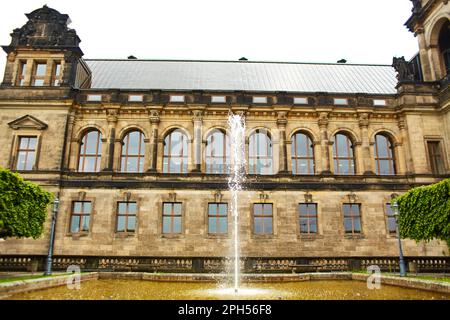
(138, 150)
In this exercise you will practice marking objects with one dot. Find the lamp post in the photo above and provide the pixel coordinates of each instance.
(48, 268)
(402, 260)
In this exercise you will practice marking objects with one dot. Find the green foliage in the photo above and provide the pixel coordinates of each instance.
(424, 212)
(23, 206)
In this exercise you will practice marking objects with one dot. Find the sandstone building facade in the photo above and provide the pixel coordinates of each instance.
(138, 150)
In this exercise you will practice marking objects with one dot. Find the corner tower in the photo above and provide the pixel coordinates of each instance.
(45, 52)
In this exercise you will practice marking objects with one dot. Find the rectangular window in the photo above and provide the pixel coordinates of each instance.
(81, 214)
(259, 99)
(218, 99)
(300, 100)
(379, 102)
(217, 218)
(391, 221)
(135, 98)
(352, 218)
(340, 102)
(172, 218)
(94, 97)
(177, 98)
(435, 157)
(262, 218)
(21, 73)
(26, 153)
(308, 218)
(126, 216)
(56, 74)
(39, 74)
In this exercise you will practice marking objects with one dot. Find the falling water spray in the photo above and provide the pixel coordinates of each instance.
(236, 124)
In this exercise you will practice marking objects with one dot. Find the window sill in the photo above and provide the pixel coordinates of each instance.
(354, 236)
(172, 236)
(263, 236)
(218, 236)
(124, 235)
(310, 237)
(78, 235)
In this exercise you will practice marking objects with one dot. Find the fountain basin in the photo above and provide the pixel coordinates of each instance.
(146, 286)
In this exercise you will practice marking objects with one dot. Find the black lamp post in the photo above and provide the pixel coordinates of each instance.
(402, 260)
(48, 268)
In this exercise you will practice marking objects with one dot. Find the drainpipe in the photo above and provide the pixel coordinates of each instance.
(48, 268)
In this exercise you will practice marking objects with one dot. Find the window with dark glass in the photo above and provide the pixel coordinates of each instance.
(302, 154)
(126, 216)
(172, 218)
(81, 214)
(352, 218)
(391, 221)
(262, 218)
(133, 152)
(21, 73)
(435, 157)
(26, 153)
(260, 153)
(384, 155)
(90, 152)
(217, 153)
(38, 76)
(444, 45)
(56, 74)
(308, 218)
(344, 161)
(175, 152)
(217, 218)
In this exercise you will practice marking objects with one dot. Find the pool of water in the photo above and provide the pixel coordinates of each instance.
(306, 290)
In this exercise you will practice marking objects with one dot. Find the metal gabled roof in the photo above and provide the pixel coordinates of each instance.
(242, 76)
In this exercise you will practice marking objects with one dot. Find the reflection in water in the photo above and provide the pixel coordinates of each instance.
(151, 290)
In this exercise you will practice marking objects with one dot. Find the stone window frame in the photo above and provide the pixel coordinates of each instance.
(274, 233)
(295, 157)
(226, 147)
(184, 154)
(81, 196)
(270, 144)
(142, 150)
(126, 197)
(226, 235)
(442, 148)
(54, 78)
(160, 207)
(15, 148)
(21, 66)
(352, 138)
(307, 235)
(34, 75)
(99, 154)
(389, 235)
(360, 235)
(392, 149)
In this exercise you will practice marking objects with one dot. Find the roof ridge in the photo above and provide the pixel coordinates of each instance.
(244, 62)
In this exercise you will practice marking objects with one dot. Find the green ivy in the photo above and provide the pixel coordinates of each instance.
(424, 212)
(23, 206)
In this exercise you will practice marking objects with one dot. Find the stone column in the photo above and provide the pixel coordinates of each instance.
(11, 70)
(197, 119)
(324, 143)
(409, 166)
(424, 58)
(70, 146)
(366, 158)
(281, 125)
(153, 145)
(108, 164)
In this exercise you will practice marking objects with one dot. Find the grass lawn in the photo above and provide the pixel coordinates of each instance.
(38, 276)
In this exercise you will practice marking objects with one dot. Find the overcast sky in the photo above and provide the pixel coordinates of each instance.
(361, 31)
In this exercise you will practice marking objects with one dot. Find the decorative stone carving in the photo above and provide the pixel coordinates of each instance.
(46, 27)
(81, 196)
(364, 120)
(218, 196)
(323, 119)
(127, 196)
(154, 117)
(112, 115)
(308, 197)
(404, 71)
(197, 115)
(172, 197)
(27, 122)
(352, 198)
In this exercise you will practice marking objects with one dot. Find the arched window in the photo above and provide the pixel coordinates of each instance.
(260, 153)
(302, 154)
(384, 155)
(344, 161)
(133, 152)
(217, 153)
(175, 152)
(90, 152)
(444, 45)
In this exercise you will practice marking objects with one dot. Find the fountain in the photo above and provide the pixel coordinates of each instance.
(236, 124)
